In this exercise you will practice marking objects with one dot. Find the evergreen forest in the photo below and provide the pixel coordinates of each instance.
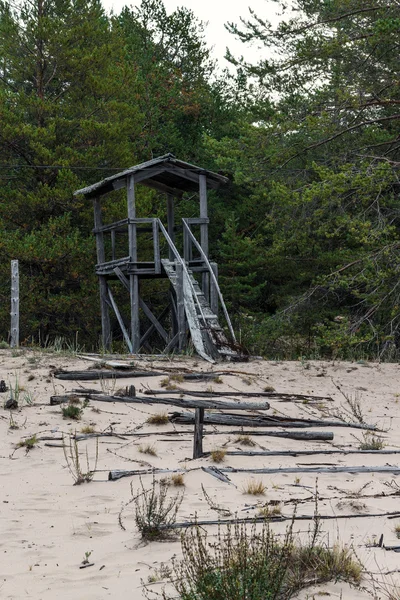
(307, 232)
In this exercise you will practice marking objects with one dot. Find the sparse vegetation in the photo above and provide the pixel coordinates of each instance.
(218, 379)
(218, 455)
(88, 429)
(158, 419)
(371, 441)
(245, 440)
(148, 449)
(28, 443)
(270, 510)
(178, 480)
(397, 530)
(72, 411)
(71, 453)
(269, 388)
(255, 488)
(154, 511)
(246, 561)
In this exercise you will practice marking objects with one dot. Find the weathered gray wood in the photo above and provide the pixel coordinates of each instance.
(124, 280)
(215, 472)
(156, 247)
(152, 327)
(114, 475)
(113, 244)
(153, 319)
(133, 279)
(395, 470)
(170, 223)
(198, 433)
(213, 289)
(203, 212)
(304, 398)
(105, 315)
(14, 341)
(120, 321)
(263, 421)
(197, 404)
(277, 518)
(180, 307)
(172, 343)
(295, 453)
(103, 374)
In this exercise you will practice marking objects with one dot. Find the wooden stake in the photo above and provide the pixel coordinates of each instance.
(198, 433)
(14, 343)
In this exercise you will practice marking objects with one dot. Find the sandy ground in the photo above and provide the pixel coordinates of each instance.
(47, 524)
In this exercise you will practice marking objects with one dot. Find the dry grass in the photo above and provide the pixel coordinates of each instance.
(158, 419)
(269, 388)
(245, 440)
(148, 449)
(397, 531)
(218, 379)
(178, 480)
(218, 455)
(88, 429)
(371, 441)
(255, 488)
(270, 510)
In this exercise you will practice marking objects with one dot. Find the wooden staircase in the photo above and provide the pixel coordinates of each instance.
(207, 335)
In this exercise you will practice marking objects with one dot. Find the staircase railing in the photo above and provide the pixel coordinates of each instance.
(185, 271)
(212, 274)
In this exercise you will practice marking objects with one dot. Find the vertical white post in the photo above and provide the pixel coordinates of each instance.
(14, 343)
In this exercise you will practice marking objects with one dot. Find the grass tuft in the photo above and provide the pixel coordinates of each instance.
(255, 488)
(218, 455)
(245, 440)
(148, 449)
(72, 412)
(154, 511)
(158, 419)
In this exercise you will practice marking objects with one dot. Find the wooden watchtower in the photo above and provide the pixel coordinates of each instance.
(193, 304)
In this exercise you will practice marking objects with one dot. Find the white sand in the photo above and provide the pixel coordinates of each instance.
(47, 524)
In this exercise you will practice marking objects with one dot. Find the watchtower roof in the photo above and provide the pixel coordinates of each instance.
(165, 173)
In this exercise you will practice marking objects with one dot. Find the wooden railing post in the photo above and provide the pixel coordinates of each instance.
(198, 433)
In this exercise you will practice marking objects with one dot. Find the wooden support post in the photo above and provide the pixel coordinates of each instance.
(198, 433)
(156, 246)
(133, 279)
(120, 320)
(112, 244)
(204, 232)
(105, 315)
(180, 307)
(14, 341)
(187, 246)
(170, 222)
(213, 290)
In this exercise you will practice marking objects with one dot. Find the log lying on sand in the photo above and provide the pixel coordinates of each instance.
(272, 518)
(395, 470)
(304, 398)
(315, 436)
(207, 404)
(94, 374)
(262, 421)
(114, 475)
(296, 453)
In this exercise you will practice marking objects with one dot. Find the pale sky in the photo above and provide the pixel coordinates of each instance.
(216, 13)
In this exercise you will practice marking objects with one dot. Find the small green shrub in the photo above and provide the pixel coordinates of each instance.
(154, 511)
(72, 411)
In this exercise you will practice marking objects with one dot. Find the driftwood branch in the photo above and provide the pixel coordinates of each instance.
(304, 398)
(206, 404)
(262, 421)
(184, 524)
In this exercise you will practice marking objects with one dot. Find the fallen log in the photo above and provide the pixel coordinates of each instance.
(295, 453)
(206, 404)
(114, 475)
(317, 436)
(304, 398)
(94, 374)
(276, 518)
(262, 421)
(334, 469)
